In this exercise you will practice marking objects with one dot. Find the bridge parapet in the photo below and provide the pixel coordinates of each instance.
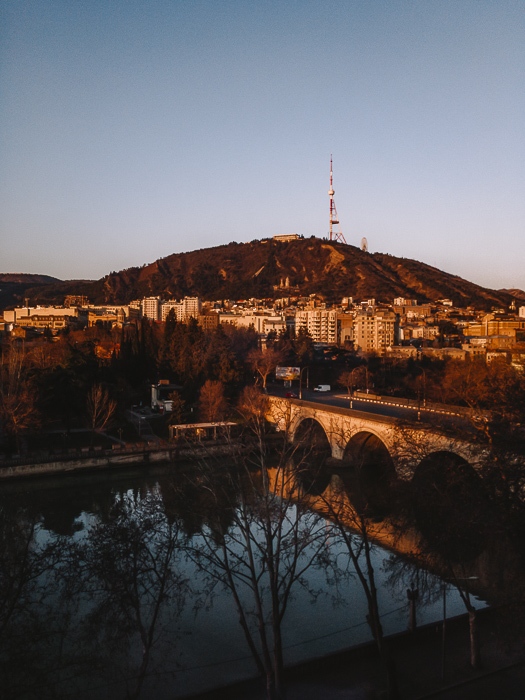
(407, 443)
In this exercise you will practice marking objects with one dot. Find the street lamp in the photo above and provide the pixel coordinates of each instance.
(301, 380)
(352, 386)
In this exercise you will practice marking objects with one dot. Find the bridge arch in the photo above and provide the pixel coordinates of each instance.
(311, 450)
(368, 473)
(450, 506)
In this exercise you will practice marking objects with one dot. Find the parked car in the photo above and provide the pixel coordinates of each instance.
(290, 395)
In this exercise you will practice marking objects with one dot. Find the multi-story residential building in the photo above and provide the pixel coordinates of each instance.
(135, 308)
(151, 308)
(167, 306)
(345, 328)
(374, 331)
(209, 321)
(321, 324)
(189, 307)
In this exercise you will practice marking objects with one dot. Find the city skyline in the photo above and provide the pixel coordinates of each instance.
(131, 131)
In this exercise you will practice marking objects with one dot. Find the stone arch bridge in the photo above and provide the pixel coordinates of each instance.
(349, 432)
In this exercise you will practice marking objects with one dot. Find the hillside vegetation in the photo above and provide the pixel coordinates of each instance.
(258, 269)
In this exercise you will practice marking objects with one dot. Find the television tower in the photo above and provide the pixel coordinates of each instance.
(334, 235)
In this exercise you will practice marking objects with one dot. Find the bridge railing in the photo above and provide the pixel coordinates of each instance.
(417, 404)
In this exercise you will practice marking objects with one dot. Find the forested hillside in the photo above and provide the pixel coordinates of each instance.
(264, 268)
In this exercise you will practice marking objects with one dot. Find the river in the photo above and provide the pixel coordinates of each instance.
(134, 585)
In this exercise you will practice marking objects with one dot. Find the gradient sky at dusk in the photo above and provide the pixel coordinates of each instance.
(132, 130)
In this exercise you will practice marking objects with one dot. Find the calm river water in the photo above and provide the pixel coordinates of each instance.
(117, 586)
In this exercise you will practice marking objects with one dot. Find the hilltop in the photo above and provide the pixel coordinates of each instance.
(262, 269)
(14, 285)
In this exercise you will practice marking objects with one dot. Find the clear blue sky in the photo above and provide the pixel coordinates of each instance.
(132, 130)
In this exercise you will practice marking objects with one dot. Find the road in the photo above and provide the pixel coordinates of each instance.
(424, 414)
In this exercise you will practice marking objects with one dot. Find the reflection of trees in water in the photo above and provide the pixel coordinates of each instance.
(99, 606)
(133, 576)
(122, 584)
(27, 618)
(261, 557)
(353, 528)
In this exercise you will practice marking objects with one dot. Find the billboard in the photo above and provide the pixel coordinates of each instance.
(287, 373)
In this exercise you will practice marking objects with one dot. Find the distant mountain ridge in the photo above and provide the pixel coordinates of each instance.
(26, 278)
(14, 286)
(269, 269)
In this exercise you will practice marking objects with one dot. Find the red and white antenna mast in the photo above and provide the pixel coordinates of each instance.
(334, 235)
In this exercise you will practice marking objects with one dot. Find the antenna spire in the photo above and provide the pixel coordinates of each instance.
(334, 235)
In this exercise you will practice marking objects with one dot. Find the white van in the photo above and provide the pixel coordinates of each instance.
(322, 387)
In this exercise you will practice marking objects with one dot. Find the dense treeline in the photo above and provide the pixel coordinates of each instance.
(87, 379)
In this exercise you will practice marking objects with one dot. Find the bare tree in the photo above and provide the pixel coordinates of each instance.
(212, 404)
(264, 362)
(17, 398)
(352, 507)
(100, 407)
(260, 539)
(131, 568)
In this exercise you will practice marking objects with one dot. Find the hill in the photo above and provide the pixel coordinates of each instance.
(262, 269)
(14, 286)
(518, 294)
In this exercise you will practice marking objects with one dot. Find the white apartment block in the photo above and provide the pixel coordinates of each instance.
(167, 306)
(521, 312)
(189, 307)
(321, 324)
(151, 308)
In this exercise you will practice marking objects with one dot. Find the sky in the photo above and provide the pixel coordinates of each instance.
(131, 130)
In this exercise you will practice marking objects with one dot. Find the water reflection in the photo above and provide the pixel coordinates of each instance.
(164, 586)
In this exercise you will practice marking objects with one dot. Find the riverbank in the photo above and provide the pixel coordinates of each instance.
(119, 457)
(427, 664)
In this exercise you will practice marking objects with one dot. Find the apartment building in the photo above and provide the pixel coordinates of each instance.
(189, 307)
(150, 308)
(321, 324)
(374, 331)
(345, 328)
